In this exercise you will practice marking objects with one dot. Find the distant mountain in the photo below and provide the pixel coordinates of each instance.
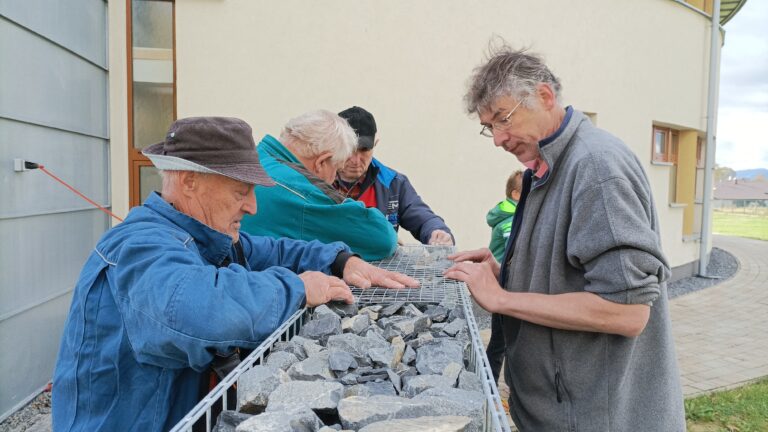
(752, 173)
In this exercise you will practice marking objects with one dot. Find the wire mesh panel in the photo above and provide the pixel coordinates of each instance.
(423, 263)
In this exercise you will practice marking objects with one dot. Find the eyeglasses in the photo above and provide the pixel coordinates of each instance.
(501, 125)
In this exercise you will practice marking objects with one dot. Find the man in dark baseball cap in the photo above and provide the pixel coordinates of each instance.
(366, 179)
(177, 286)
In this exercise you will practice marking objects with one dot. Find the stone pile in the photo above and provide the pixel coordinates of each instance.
(388, 367)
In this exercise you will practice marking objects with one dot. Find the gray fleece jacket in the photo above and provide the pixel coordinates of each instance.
(591, 225)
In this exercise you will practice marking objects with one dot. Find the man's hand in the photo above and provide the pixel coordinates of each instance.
(319, 288)
(480, 280)
(439, 238)
(361, 274)
(483, 255)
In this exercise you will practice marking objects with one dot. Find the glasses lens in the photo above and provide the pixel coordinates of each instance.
(486, 132)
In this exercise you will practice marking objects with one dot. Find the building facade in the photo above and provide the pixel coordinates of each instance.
(116, 73)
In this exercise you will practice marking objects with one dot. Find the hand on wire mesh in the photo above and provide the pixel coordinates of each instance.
(363, 275)
(482, 255)
(481, 281)
(440, 238)
(320, 288)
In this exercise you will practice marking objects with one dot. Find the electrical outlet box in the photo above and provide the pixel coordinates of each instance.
(18, 165)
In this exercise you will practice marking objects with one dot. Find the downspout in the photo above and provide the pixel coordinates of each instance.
(709, 161)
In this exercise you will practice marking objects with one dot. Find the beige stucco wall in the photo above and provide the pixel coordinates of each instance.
(631, 63)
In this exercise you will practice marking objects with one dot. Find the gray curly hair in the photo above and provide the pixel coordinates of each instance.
(508, 72)
(319, 131)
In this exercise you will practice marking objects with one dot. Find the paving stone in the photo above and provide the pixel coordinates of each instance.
(436, 313)
(291, 347)
(228, 421)
(320, 329)
(470, 381)
(312, 369)
(357, 324)
(414, 385)
(320, 396)
(281, 359)
(341, 361)
(435, 356)
(357, 412)
(452, 401)
(422, 424)
(255, 385)
(299, 418)
(455, 326)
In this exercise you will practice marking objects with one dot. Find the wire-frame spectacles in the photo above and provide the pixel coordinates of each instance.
(501, 125)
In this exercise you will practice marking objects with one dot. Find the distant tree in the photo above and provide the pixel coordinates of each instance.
(723, 173)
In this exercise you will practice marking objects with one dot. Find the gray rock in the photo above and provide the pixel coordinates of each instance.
(321, 328)
(340, 361)
(357, 324)
(470, 381)
(437, 327)
(299, 418)
(255, 385)
(455, 326)
(421, 340)
(383, 357)
(436, 313)
(410, 310)
(409, 355)
(349, 379)
(342, 309)
(383, 388)
(391, 309)
(456, 312)
(43, 423)
(357, 412)
(281, 359)
(435, 356)
(398, 345)
(312, 369)
(291, 347)
(422, 424)
(452, 371)
(322, 310)
(372, 314)
(310, 347)
(356, 345)
(410, 326)
(320, 396)
(414, 385)
(452, 401)
(329, 429)
(372, 377)
(394, 378)
(228, 421)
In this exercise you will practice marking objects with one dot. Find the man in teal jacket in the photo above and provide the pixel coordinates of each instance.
(303, 205)
(499, 218)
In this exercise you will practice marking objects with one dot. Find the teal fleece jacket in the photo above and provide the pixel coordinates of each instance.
(499, 218)
(301, 207)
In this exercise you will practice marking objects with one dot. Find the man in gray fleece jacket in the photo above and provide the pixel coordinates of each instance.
(582, 284)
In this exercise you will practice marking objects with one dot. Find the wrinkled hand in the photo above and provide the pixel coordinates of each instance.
(480, 280)
(319, 288)
(483, 255)
(440, 237)
(361, 274)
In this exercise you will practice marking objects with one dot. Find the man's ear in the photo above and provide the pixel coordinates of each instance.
(189, 182)
(324, 158)
(546, 96)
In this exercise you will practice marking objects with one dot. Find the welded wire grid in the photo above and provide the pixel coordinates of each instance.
(423, 263)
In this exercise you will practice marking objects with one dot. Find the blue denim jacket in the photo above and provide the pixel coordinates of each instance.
(152, 307)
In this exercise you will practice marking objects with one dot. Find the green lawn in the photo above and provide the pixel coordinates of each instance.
(740, 225)
(741, 410)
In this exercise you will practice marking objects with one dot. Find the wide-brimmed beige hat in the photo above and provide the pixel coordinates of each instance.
(214, 145)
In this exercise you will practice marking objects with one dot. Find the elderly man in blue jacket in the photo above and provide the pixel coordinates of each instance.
(177, 285)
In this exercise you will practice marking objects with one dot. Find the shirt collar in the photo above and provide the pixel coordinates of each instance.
(213, 245)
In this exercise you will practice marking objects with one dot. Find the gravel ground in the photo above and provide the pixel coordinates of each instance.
(722, 265)
(35, 417)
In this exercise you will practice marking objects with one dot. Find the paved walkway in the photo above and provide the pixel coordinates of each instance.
(721, 333)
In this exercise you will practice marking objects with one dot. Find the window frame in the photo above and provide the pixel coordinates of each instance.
(671, 143)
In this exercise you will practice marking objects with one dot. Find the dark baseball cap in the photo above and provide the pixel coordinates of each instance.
(364, 125)
(215, 145)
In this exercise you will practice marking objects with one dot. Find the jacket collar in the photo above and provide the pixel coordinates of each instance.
(553, 147)
(276, 149)
(213, 245)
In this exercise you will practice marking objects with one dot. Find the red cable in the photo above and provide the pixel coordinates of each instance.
(42, 168)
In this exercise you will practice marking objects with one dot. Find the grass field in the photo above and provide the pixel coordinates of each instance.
(740, 225)
(744, 410)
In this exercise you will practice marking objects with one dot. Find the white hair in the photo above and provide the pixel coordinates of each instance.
(320, 131)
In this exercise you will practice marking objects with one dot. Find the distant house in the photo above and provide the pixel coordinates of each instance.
(741, 193)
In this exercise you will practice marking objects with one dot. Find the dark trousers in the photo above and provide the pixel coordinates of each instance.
(496, 347)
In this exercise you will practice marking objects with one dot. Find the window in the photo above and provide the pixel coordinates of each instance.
(664, 146)
(151, 88)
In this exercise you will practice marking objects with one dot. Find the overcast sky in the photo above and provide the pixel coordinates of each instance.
(742, 140)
